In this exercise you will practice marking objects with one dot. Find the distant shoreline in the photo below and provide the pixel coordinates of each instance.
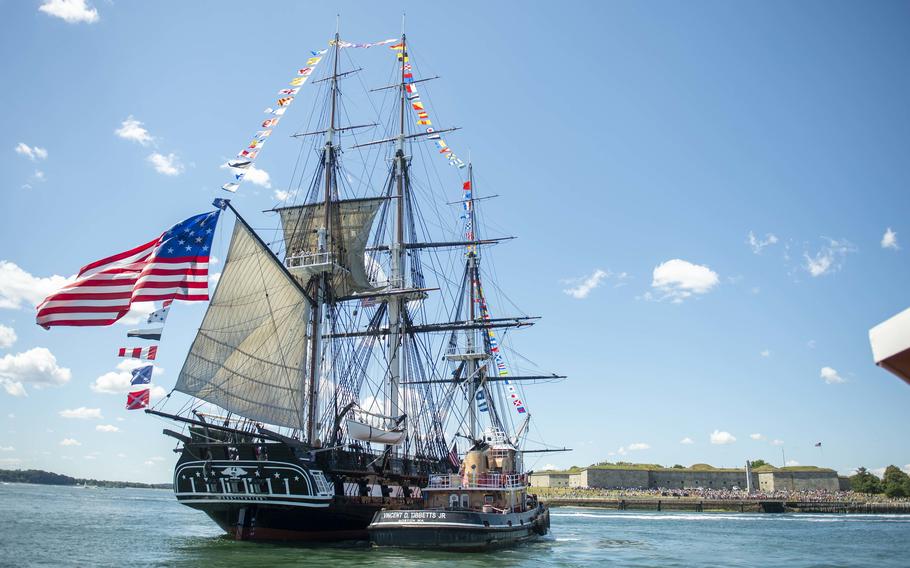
(698, 505)
(41, 477)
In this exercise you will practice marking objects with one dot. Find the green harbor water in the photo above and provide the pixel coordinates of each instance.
(70, 526)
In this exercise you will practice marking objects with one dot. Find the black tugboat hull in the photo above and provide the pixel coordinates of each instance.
(466, 531)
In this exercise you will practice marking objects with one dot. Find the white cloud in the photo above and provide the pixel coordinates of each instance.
(721, 438)
(132, 129)
(765, 353)
(584, 286)
(889, 239)
(18, 287)
(153, 460)
(36, 367)
(39, 176)
(687, 441)
(71, 11)
(830, 258)
(831, 376)
(70, 442)
(549, 467)
(118, 382)
(106, 428)
(10, 461)
(33, 153)
(777, 442)
(637, 446)
(757, 436)
(622, 451)
(168, 165)
(82, 413)
(214, 277)
(758, 244)
(7, 449)
(679, 279)
(7, 336)
(256, 176)
(139, 313)
(792, 462)
(281, 195)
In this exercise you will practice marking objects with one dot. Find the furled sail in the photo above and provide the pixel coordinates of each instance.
(250, 351)
(351, 223)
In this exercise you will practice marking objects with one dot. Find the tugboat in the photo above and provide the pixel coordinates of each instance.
(485, 505)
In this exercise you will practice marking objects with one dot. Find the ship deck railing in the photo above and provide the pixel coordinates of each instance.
(481, 481)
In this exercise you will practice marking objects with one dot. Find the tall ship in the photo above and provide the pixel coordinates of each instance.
(345, 358)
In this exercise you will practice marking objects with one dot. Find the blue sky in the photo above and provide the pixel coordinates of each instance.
(635, 146)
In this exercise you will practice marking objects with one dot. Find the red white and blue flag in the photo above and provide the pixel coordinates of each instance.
(174, 266)
(137, 400)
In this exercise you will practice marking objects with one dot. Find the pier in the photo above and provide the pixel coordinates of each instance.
(733, 505)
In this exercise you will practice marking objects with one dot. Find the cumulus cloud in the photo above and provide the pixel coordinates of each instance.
(168, 165)
(7, 336)
(18, 287)
(720, 438)
(133, 130)
(33, 153)
(138, 313)
(687, 441)
(583, 286)
(70, 442)
(36, 367)
(70, 11)
(255, 176)
(677, 280)
(153, 460)
(792, 462)
(757, 436)
(758, 243)
(118, 381)
(639, 446)
(765, 353)
(831, 376)
(777, 442)
(82, 413)
(830, 258)
(889, 239)
(281, 195)
(106, 428)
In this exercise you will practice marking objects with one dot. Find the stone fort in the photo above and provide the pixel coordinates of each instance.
(765, 478)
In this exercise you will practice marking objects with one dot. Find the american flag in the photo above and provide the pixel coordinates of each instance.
(174, 266)
(453, 456)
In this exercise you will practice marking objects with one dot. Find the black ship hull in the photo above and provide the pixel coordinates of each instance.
(457, 530)
(285, 491)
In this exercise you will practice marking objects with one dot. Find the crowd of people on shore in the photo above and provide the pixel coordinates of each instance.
(703, 493)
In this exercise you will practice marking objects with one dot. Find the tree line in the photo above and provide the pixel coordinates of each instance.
(894, 483)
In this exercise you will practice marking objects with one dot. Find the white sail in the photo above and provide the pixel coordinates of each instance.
(249, 354)
(367, 433)
(351, 223)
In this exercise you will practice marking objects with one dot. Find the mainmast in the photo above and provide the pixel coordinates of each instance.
(473, 380)
(321, 283)
(397, 302)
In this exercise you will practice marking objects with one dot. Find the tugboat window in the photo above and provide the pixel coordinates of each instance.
(465, 501)
(453, 500)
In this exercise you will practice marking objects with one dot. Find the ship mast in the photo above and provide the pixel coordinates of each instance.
(472, 303)
(397, 302)
(325, 251)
